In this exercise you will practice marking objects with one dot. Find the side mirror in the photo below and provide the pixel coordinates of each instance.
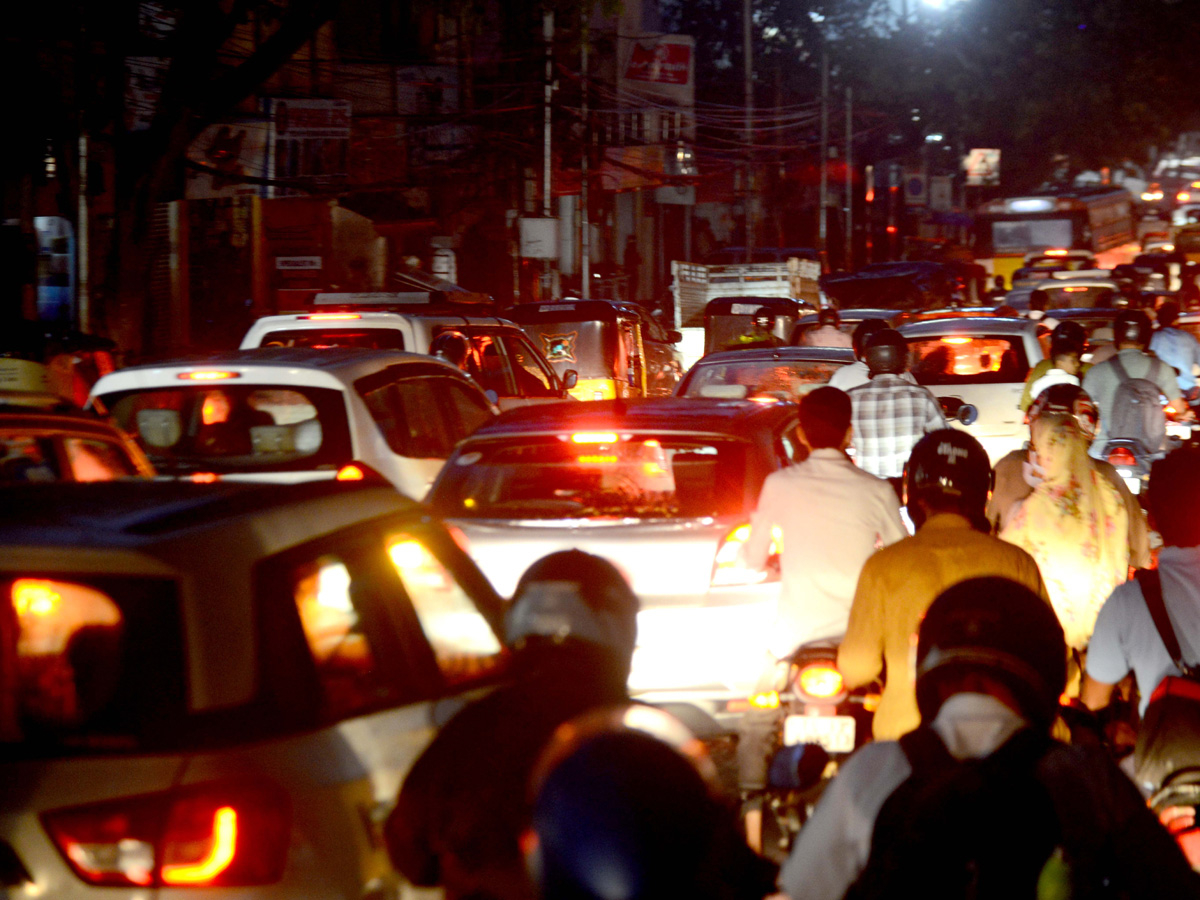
(674, 336)
(967, 414)
(569, 379)
(492, 396)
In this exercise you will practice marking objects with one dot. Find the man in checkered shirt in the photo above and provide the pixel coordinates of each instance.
(890, 413)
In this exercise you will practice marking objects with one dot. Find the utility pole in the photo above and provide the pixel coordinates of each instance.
(547, 162)
(748, 77)
(849, 181)
(824, 196)
(585, 267)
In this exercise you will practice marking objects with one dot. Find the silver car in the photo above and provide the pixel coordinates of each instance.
(664, 489)
(216, 690)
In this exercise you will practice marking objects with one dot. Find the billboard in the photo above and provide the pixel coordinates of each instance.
(982, 167)
(309, 141)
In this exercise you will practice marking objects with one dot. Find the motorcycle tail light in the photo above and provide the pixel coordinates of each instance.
(820, 681)
(1122, 456)
(212, 835)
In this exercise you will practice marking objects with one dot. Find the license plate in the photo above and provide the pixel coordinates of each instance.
(834, 733)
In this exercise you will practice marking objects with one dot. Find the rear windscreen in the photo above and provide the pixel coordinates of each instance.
(1030, 234)
(1079, 297)
(361, 338)
(97, 665)
(784, 379)
(968, 359)
(589, 476)
(241, 428)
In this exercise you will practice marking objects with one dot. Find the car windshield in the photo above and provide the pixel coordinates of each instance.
(739, 379)
(43, 457)
(595, 476)
(97, 666)
(328, 338)
(968, 359)
(235, 428)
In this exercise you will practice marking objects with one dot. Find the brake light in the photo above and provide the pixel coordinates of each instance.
(218, 834)
(593, 437)
(1074, 290)
(1122, 456)
(820, 680)
(1055, 253)
(351, 472)
(1183, 196)
(326, 317)
(596, 459)
(208, 375)
(204, 477)
(956, 340)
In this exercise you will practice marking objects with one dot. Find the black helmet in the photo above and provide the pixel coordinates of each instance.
(864, 330)
(764, 317)
(574, 595)
(947, 467)
(1067, 337)
(828, 316)
(1132, 326)
(1067, 399)
(886, 352)
(625, 806)
(1000, 626)
(452, 346)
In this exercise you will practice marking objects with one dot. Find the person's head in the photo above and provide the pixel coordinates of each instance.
(947, 471)
(1131, 329)
(825, 418)
(991, 635)
(1068, 338)
(625, 805)
(886, 352)
(576, 603)
(764, 319)
(862, 331)
(828, 316)
(1174, 496)
(1039, 300)
(998, 283)
(1070, 400)
(1167, 313)
(452, 346)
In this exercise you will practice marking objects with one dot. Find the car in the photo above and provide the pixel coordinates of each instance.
(1069, 290)
(49, 445)
(662, 487)
(502, 359)
(297, 414)
(784, 373)
(216, 690)
(981, 361)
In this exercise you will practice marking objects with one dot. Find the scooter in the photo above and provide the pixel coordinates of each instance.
(820, 724)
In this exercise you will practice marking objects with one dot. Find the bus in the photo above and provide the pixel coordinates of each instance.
(1098, 218)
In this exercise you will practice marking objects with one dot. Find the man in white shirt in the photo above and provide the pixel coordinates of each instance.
(829, 515)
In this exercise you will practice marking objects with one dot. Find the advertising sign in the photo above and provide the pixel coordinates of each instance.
(982, 167)
(310, 140)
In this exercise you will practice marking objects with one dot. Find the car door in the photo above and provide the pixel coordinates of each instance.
(533, 380)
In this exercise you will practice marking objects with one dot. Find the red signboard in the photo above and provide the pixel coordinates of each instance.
(659, 63)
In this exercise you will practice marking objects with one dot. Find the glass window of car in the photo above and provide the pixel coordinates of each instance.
(412, 425)
(644, 476)
(92, 459)
(470, 409)
(968, 359)
(533, 378)
(25, 457)
(327, 600)
(360, 338)
(235, 427)
(788, 379)
(463, 642)
(1079, 296)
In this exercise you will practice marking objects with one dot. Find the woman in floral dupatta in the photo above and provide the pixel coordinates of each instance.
(1075, 525)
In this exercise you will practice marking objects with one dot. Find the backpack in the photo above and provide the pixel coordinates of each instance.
(1168, 742)
(979, 828)
(1137, 410)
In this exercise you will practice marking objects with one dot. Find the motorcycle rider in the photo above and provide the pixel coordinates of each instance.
(890, 414)
(946, 486)
(1016, 474)
(990, 665)
(626, 805)
(761, 333)
(828, 333)
(1177, 348)
(829, 516)
(461, 811)
(1067, 339)
(1131, 335)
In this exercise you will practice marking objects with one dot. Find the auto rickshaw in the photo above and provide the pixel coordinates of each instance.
(617, 347)
(726, 319)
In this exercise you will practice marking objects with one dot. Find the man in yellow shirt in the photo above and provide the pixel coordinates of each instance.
(946, 487)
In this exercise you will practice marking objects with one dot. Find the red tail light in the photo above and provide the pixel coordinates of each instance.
(358, 471)
(213, 835)
(1122, 456)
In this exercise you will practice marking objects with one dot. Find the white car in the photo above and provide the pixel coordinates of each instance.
(289, 415)
(981, 361)
(216, 690)
(503, 360)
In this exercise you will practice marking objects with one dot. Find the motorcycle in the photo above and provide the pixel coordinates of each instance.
(820, 723)
(1133, 461)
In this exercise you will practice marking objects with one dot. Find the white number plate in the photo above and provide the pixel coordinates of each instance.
(834, 733)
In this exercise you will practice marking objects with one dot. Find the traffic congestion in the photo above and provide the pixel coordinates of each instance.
(540, 451)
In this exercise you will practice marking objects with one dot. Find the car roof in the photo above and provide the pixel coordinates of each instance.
(142, 515)
(968, 325)
(853, 315)
(831, 354)
(339, 364)
(733, 418)
(337, 318)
